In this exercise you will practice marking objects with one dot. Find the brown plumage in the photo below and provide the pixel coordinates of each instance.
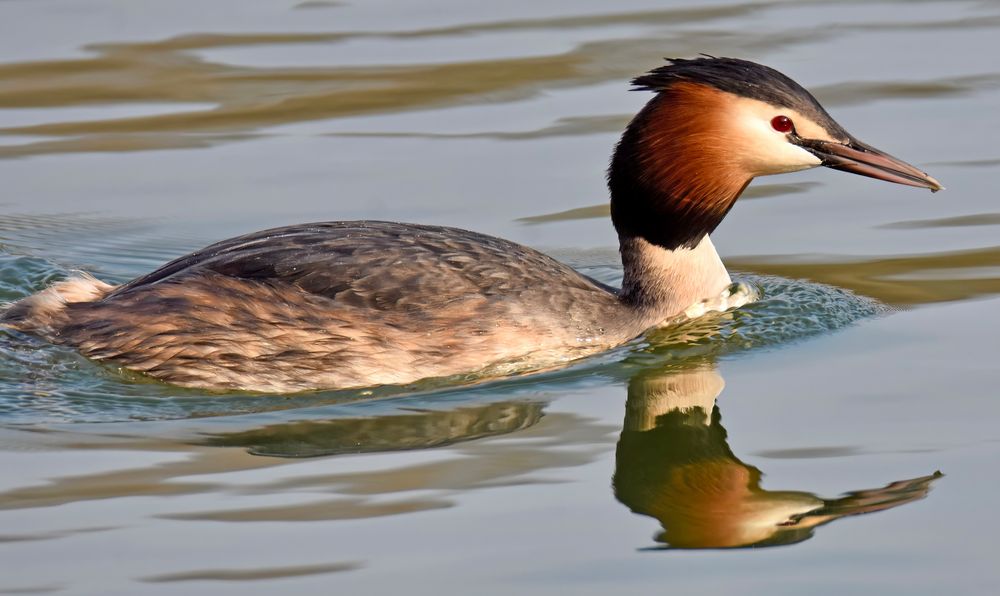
(341, 304)
(701, 192)
(353, 304)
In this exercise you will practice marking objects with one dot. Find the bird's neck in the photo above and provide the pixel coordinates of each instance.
(675, 174)
(673, 177)
(663, 283)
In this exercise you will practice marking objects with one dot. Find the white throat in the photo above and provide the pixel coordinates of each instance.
(667, 283)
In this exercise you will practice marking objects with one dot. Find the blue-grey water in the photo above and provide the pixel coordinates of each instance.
(839, 434)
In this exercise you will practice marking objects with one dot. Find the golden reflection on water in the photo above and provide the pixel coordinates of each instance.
(245, 99)
(909, 280)
(50, 535)
(960, 221)
(603, 210)
(674, 464)
(252, 574)
(557, 441)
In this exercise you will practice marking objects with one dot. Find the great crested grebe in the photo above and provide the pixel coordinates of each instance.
(353, 304)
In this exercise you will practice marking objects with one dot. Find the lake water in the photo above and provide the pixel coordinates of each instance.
(864, 381)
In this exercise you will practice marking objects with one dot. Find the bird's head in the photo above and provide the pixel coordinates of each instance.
(714, 125)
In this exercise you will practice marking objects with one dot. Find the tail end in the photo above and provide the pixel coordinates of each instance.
(45, 313)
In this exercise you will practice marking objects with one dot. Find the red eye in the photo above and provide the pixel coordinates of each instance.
(782, 124)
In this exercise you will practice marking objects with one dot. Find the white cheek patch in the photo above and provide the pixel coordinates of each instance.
(763, 150)
(790, 158)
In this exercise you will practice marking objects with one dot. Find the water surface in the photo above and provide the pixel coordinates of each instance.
(813, 426)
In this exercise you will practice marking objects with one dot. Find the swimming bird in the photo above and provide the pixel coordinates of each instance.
(339, 305)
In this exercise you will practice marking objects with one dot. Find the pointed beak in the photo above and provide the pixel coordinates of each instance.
(859, 158)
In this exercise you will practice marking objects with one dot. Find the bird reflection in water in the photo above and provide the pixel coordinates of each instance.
(673, 463)
(418, 429)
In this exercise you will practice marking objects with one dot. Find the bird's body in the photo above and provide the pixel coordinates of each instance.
(344, 304)
(354, 304)
(341, 304)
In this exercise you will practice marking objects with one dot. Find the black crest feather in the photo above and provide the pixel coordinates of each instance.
(739, 77)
